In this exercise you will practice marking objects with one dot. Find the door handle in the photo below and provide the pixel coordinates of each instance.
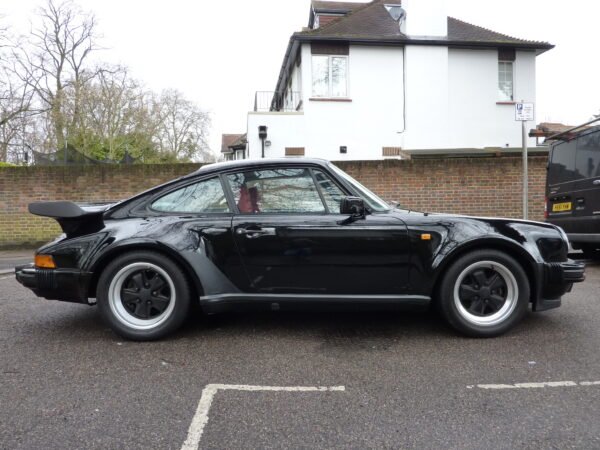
(256, 232)
(596, 182)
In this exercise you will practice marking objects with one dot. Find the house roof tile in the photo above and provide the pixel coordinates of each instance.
(372, 22)
(231, 140)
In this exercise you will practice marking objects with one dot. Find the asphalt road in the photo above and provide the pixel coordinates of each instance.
(66, 381)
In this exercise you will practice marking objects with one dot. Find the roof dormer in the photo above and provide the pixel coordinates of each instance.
(325, 12)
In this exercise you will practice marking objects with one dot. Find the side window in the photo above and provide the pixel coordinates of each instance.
(562, 166)
(332, 194)
(276, 191)
(588, 155)
(203, 197)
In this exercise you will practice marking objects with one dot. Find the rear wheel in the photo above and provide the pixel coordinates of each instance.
(143, 295)
(484, 293)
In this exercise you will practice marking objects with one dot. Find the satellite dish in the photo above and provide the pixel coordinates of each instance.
(396, 12)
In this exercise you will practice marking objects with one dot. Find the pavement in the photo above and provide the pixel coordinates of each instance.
(11, 258)
(309, 380)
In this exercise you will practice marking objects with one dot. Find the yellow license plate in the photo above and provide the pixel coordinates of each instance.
(559, 207)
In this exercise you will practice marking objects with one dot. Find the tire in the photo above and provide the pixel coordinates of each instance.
(143, 295)
(484, 293)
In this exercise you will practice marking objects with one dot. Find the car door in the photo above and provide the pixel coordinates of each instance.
(561, 182)
(292, 239)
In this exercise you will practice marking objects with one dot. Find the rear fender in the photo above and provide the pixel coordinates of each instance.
(207, 278)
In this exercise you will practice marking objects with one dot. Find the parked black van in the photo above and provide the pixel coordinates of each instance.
(573, 189)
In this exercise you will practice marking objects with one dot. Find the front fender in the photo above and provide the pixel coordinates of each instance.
(449, 254)
(531, 262)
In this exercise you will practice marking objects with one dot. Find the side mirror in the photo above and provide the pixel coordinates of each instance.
(353, 206)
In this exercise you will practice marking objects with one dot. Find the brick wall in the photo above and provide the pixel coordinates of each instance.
(474, 186)
(481, 186)
(20, 186)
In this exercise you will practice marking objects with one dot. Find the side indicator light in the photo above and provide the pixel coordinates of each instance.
(425, 237)
(44, 262)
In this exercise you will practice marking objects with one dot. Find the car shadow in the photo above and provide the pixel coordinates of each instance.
(369, 330)
(337, 327)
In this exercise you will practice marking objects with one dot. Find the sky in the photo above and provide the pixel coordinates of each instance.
(218, 53)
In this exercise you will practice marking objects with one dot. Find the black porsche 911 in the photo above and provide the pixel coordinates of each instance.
(282, 234)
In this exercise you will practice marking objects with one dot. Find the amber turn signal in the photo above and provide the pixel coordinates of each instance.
(44, 262)
(425, 237)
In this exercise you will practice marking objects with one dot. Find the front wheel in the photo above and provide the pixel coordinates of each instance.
(484, 293)
(143, 296)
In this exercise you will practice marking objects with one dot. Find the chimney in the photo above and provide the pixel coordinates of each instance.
(425, 18)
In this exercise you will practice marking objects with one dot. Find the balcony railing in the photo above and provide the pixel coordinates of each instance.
(268, 101)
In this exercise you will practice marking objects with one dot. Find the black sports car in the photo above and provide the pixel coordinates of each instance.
(279, 234)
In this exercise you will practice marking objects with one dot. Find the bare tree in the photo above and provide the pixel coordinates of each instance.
(183, 127)
(15, 98)
(3, 33)
(49, 91)
(101, 107)
(55, 61)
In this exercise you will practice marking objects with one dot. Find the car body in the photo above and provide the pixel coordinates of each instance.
(573, 189)
(280, 234)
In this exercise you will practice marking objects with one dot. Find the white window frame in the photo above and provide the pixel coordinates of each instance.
(512, 66)
(330, 67)
(317, 21)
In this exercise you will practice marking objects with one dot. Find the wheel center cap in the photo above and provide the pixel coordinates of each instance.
(145, 294)
(485, 292)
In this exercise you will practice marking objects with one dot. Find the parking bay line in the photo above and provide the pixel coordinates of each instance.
(535, 385)
(200, 419)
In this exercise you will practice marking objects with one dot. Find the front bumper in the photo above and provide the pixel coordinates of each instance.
(557, 280)
(69, 285)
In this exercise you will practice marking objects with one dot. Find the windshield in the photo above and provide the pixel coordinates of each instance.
(371, 200)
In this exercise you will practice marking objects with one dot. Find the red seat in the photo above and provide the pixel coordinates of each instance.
(248, 202)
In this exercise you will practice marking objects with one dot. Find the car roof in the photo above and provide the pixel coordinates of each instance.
(245, 163)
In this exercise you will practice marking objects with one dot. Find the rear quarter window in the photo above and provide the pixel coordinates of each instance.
(203, 197)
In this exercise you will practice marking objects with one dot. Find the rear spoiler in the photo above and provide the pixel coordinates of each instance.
(74, 219)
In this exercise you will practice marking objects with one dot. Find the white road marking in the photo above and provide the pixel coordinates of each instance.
(200, 419)
(544, 384)
(7, 278)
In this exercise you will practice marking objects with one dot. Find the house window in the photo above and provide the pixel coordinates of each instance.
(329, 76)
(506, 84)
(505, 81)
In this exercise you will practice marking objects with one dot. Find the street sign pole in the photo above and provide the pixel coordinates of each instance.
(525, 172)
(523, 113)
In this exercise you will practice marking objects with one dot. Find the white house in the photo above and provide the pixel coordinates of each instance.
(393, 79)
